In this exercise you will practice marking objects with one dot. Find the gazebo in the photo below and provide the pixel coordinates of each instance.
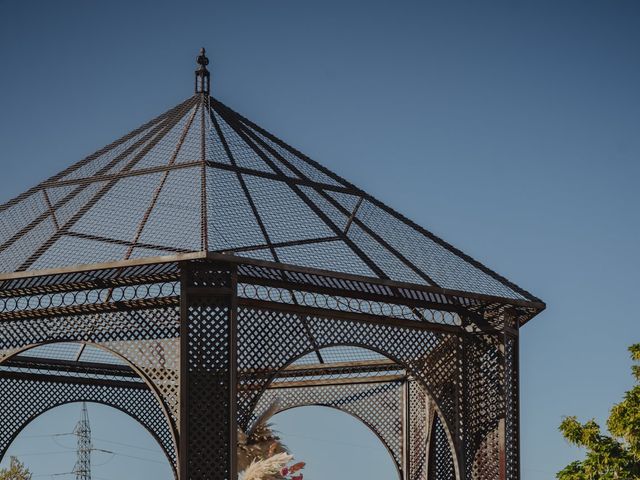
(198, 269)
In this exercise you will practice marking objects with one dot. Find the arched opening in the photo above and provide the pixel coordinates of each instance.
(371, 386)
(363, 384)
(43, 378)
(122, 447)
(334, 444)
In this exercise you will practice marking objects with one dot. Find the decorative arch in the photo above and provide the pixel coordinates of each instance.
(378, 405)
(357, 417)
(36, 379)
(168, 455)
(382, 405)
(277, 338)
(146, 339)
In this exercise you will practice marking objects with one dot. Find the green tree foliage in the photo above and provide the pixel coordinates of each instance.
(16, 471)
(609, 457)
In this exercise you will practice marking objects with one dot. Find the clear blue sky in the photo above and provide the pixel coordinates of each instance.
(511, 129)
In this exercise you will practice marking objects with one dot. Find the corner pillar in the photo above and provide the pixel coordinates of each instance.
(510, 424)
(415, 428)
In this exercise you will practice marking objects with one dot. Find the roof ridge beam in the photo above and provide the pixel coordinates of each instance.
(158, 190)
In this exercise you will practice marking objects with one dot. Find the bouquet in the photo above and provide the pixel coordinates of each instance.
(261, 454)
(272, 468)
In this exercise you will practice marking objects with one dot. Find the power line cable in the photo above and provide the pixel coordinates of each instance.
(47, 435)
(128, 445)
(54, 436)
(61, 445)
(139, 458)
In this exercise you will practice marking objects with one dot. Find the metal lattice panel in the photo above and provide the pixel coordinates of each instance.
(159, 361)
(440, 457)
(145, 338)
(379, 406)
(511, 421)
(208, 395)
(464, 372)
(219, 262)
(418, 405)
(271, 339)
(41, 381)
(486, 460)
(484, 370)
(266, 340)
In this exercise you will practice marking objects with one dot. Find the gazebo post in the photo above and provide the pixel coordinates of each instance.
(406, 431)
(510, 425)
(415, 430)
(463, 407)
(208, 366)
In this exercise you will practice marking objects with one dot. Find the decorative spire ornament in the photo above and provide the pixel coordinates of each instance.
(202, 74)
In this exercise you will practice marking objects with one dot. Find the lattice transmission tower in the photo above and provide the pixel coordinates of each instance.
(82, 468)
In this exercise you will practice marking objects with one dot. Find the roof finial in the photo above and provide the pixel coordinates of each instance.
(202, 74)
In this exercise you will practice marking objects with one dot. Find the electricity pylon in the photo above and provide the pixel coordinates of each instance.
(82, 468)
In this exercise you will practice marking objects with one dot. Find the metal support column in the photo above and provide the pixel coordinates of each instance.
(406, 431)
(510, 425)
(462, 408)
(417, 422)
(208, 425)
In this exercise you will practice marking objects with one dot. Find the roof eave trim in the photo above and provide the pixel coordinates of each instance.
(226, 257)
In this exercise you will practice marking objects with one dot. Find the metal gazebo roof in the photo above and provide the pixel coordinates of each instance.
(203, 178)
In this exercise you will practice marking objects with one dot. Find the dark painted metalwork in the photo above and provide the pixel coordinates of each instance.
(223, 270)
(202, 74)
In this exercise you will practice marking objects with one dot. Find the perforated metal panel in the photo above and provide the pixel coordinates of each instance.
(208, 423)
(22, 399)
(212, 352)
(378, 405)
(440, 456)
